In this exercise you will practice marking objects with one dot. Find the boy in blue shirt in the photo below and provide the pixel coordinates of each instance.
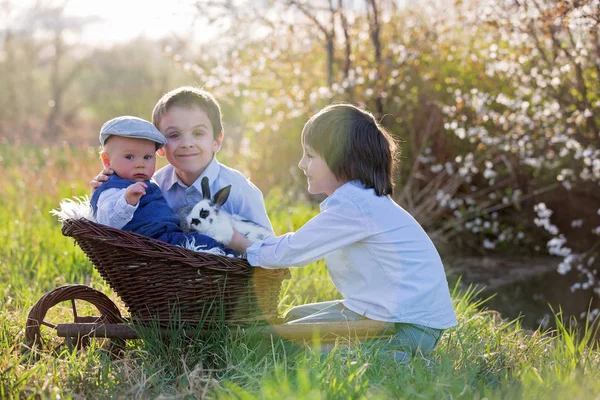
(190, 119)
(129, 200)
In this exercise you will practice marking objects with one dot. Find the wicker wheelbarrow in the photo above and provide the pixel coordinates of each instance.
(160, 283)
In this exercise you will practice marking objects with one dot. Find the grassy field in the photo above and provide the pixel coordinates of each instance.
(484, 357)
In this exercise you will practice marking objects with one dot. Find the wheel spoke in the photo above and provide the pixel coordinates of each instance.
(49, 324)
(74, 310)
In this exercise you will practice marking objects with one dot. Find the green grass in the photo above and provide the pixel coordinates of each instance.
(484, 357)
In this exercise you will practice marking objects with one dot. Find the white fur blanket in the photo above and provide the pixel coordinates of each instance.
(75, 208)
(79, 207)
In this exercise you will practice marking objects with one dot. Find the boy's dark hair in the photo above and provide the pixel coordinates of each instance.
(354, 146)
(189, 97)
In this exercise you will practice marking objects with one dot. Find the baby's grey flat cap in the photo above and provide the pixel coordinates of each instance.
(132, 127)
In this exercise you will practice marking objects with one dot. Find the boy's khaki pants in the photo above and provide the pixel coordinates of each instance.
(409, 338)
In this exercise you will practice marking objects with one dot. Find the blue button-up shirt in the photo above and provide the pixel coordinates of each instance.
(245, 199)
(378, 256)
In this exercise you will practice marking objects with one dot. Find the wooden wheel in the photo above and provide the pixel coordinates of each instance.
(74, 302)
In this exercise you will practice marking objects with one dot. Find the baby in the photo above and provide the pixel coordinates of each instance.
(129, 200)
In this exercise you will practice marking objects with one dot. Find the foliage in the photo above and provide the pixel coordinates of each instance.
(496, 106)
(58, 89)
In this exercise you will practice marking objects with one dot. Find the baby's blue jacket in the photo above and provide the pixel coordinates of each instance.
(153, 217)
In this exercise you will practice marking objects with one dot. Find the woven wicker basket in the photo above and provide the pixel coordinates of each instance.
(159, 281)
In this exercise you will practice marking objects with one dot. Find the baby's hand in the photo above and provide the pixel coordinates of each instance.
(134, 193)
(101, 178)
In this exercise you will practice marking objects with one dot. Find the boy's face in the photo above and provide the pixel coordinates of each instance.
(132, 159)
(319, 176)
(191, 142)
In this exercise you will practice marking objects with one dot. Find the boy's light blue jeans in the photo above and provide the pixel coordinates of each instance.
(409, 338)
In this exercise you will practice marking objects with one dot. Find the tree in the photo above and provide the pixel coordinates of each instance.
(36, 49)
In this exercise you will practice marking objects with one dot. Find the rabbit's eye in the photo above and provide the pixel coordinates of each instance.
(195, 221)
(204, 213)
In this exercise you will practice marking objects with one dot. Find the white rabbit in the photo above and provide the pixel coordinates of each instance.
(208, 219)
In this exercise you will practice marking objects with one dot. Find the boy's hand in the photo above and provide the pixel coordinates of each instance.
(239, 243)
(101, 178)
(134, 193)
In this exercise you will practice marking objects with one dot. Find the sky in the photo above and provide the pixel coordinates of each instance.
(122, 20)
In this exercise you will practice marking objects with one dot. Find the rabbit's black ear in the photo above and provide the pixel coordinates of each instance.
(205, 188)
(221, 196)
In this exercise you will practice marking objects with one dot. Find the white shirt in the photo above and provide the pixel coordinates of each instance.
(378, 256)
(113, 209)
(245, 199)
